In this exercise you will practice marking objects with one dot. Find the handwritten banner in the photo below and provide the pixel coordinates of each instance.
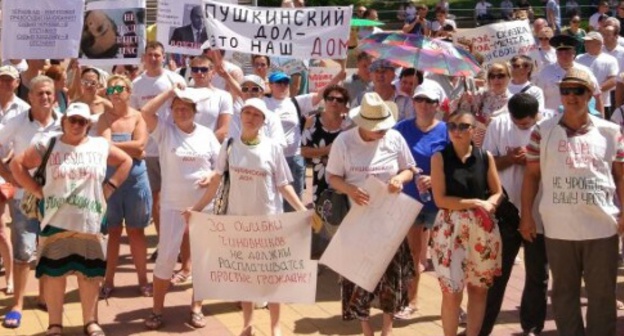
(311, 32)
(499, 42)
(41, 29)
(113, 32)
(321, 76)
(253, 258)
(370, 235)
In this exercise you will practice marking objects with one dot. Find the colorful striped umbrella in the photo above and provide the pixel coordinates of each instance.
(422, 53)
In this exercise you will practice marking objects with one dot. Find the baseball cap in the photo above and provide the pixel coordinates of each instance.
(426, 91)
(255, 80)
(594, 36)
(78, 109)
(279, 77)
(381, 63)
(258, 104)
(8, 70)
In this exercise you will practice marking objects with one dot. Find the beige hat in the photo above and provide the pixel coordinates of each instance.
(578, 76)
(9, 70)
(594, 36)
(374, 114)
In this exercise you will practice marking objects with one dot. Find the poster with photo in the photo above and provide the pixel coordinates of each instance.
(113, 32)
(181, 26)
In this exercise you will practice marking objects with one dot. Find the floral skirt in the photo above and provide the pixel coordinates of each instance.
(466, 249)
(391, 289)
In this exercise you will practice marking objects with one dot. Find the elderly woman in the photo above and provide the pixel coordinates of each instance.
(466, 243)
(131, 204)
(74, 197)
(425, 136)
(258, 153)
(373, 148)
(188, 153)
(488, 102)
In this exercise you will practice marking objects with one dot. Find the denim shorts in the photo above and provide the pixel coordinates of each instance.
(153, 173)
(24, 233)
(131, 202)
(426, 218)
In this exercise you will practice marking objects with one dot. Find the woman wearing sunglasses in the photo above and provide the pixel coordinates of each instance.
(488, 102)
(188, 154)
(84, 89)
(131, 204)
(466, 243)
(577, 32)
(75, 195)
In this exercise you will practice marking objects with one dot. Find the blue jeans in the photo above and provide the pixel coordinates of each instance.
(297, 169)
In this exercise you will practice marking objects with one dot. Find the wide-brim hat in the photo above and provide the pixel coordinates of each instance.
(578, 76)
(374, 114)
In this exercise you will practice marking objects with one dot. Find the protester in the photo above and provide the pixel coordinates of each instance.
(361, 80)
(507, 10)
(260, 154)
(131, 203)
(217, 57)
(418, 24)
(538, 25)
(261, 65)
(466, 243)
(577, 32)
(128, 70)
(521, 71)
(545, 54)
(188, 154)
(481, 12)
(581, 237)
(572, 8)
(34, 69)
(57, 73)
(506, 139)
(364, 32)
(408, 80)
(84, 89)
(553, 15)
(40, 122)
(71, 239)
(425, 135)
(603, 8)
(370, 147)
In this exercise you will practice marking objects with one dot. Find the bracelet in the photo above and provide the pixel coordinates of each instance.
(111, 184)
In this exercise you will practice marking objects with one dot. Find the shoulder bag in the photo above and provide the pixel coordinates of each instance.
(332, 206)
(223, 193)
(30, 204)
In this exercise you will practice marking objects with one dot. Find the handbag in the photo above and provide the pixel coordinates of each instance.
(30, 204)
(7, 191)
(332, 206)
(223, 193)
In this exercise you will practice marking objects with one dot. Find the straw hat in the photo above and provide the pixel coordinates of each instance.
(374, 114)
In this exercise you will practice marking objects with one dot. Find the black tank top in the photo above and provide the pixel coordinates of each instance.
(465, 180)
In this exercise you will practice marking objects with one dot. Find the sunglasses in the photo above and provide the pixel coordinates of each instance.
(340, 100)
(260, 65)
(115, 89)
(201, 69)
(577, 91)
(253, 89)
(424, 99)
(462, 127)
(88, 83)
(78, 120)
(519, 66)
(496, 76)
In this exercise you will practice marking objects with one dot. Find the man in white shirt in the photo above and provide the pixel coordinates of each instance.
(548, 78)
(39, 123)
(521, 70)
(153, 81)
(217, 57)
(604, 66)
(441, 21)
(10, 104)
(603, 8)
(481, 12)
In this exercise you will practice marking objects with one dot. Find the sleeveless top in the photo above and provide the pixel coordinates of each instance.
(465, 179)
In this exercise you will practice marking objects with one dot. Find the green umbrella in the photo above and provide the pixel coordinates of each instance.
(365, 23)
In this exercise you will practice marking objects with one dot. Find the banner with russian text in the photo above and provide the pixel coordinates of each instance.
(41, 29)
(499, 42)
(113, 32)
(304, 33)
(253, 258)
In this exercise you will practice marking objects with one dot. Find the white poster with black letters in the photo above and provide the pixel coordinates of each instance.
(310, 32)
(41, 29)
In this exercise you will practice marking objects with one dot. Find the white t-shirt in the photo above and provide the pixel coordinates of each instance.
(208, 110)
(15, 107)
(542, 58)
(218, 81)
(436, 26)
(548, 80)
(74, 199)
(257, 172)
(602, 66)
(482, 8)
(271, 129)
(287, 113)
(355, 159)
(184, 160)
(533, 90)
(22, 131)
(618, 53)
(145, 88)
(593, 21)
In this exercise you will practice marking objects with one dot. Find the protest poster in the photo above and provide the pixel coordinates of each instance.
(113, 32)
(319, 77)
(253, 258)
(499, 42)
(370, 235)
(303, 33)
(41, 29)
(181, 26)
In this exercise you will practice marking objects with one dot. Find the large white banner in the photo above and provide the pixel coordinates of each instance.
(311, 32)
(113, 32)
(498, 42)
(40, 29)
(370, 235)
(253, 258)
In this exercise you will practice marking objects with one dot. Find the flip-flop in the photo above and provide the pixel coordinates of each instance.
(181, 278)
(197, 320)
(13, 315)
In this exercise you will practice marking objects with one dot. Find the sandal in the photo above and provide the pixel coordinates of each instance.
(147, 290)
(197, 320)
(14, 316)
(96, 332)
(405, 313)
(53, 333)
(154, 321)
(105, 292)
(181, 278)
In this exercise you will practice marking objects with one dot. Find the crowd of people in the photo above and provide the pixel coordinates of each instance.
(528, 153)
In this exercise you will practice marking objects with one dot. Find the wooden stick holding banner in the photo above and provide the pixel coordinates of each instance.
(253, 258)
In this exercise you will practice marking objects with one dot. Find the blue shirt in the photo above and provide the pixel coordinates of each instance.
(554, 6)
(422, 146)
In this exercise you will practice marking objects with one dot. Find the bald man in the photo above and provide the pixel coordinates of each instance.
(191, 35)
